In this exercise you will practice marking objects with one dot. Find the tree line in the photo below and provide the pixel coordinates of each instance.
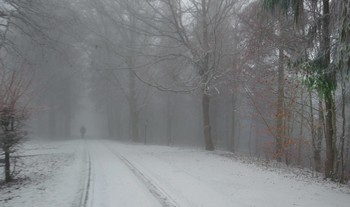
(277, 67)
(268, 78)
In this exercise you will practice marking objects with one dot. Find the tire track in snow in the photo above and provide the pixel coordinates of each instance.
(164, 198)
(85, 195)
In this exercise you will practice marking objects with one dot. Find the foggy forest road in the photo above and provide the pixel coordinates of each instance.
(131, 175)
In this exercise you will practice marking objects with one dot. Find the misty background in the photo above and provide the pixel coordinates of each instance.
(227, 74)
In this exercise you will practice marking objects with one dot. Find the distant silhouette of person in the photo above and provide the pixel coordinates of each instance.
(82, 131)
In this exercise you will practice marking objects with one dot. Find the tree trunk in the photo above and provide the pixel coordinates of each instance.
(134, 115)
(280, 109)
(52, 125)
(344, 63)
(134, 119)
(330, 145)
(233, 125)
(67, 125)
(300, 142)
(257, 136)
(134, 124)
(110, 121)
(205, 78)
(8, 177)
(347, 161)
(329, 98)
(206, 122)
(132, 96)
(250, 138)
(341, 159)
(319, 138)
(316, 133)
(169, 121)
(67, 111)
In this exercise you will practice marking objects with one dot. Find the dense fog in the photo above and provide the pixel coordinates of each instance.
(250, 77)
(99, 65)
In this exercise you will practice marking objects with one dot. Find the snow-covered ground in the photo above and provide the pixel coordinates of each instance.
(105, 174)
(199, 178)
(51, 175)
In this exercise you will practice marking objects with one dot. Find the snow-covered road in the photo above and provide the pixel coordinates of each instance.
(111, 174)
(137, 175)
(112, 183)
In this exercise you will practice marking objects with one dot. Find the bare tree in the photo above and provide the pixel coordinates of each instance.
(198, 27)
(14, 91)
